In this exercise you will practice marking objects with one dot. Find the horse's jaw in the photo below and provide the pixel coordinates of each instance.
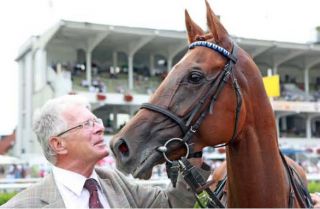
(144, 169)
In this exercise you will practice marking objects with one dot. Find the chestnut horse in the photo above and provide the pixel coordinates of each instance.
(213, 96)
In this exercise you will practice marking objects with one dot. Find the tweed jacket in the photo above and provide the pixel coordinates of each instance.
(120, 192)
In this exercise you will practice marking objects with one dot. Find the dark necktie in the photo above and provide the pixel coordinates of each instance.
(92, 186)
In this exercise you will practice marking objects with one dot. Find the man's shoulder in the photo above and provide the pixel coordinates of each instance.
(29, 197)
(109, 173)
(25, 197)
(105, 172)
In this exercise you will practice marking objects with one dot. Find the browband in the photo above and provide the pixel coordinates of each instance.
(214, 47)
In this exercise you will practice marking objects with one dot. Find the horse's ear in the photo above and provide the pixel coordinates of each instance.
(193, 29)
(216, 28)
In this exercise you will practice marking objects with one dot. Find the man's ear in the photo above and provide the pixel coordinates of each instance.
(57, 144)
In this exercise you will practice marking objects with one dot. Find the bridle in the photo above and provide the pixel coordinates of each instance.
(189, 128)
(203, 107)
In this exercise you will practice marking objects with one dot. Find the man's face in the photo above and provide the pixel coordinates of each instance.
(85, 143)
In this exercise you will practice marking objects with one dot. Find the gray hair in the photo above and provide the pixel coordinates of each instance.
(49, 120)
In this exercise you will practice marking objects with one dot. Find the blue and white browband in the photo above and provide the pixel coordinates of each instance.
(214, 47)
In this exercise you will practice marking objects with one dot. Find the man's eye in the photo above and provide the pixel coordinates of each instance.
(87, 123)
(195, 77)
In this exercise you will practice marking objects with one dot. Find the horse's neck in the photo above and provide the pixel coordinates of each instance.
(256, 176)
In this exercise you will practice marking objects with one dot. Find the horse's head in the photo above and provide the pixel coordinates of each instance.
(200, 99)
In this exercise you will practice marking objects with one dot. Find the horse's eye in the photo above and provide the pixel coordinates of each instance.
(195, 77)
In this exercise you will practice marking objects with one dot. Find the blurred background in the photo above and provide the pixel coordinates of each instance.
(116, 53)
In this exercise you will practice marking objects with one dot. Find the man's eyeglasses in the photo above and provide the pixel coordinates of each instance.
(87, 124)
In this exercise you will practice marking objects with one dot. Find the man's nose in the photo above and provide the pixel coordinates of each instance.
(99, 128)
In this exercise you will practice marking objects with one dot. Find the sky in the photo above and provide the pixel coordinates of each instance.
(280, 20)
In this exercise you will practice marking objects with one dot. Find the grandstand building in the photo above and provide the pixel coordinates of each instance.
(118, 68)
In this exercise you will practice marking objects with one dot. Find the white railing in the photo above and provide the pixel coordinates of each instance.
(296, 106)
(19, 184)
(313, 177)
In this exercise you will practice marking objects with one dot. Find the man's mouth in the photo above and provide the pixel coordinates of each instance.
(100, 143)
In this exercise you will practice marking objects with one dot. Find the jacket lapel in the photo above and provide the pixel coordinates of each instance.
(115, 196)
(50, 194)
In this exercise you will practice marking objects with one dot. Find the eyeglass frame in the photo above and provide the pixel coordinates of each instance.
(83, 124)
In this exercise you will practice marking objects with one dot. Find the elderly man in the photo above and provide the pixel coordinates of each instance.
(71, 137)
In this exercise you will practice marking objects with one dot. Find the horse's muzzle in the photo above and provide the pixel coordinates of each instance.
(121, 150)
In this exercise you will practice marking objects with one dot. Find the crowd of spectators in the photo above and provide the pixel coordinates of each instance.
(104, 76)
(18, 171)
(291, 90)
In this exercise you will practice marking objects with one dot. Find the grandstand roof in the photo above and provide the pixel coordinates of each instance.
(271, 54)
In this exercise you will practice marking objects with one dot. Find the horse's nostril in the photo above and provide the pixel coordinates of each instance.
(123, 148)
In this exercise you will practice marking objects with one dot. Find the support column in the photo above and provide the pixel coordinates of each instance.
(308, 127)
(91, 43)
(40, 69)
(131, 111)
(309, 119)
(283, 120)
(151, 65)
(17, 149)
(115, 59)
(284, 123)
(130, 72)
(269, 71)
(27, 138)
(115, 119)
(277, 126)
(306, 80)
(275, 69)
(133, 48)
(172, 52)
(88, 68)
(169, 64)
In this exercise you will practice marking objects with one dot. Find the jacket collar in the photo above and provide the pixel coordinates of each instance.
(49, 193)
(114, 193)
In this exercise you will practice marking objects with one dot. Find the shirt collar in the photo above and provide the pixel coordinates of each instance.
(72, 180)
